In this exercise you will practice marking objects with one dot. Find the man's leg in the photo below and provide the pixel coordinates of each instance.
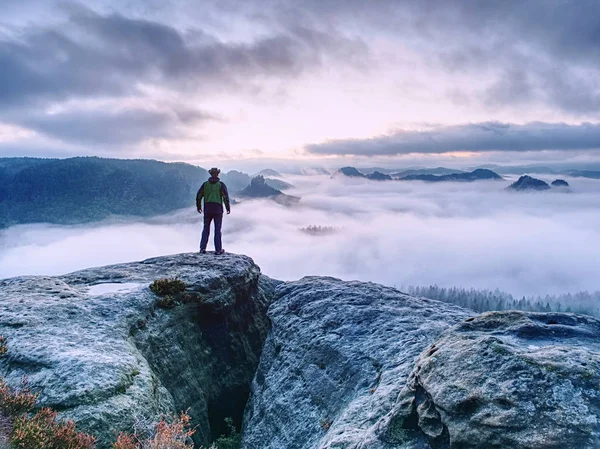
(218, 223)
(206, 231)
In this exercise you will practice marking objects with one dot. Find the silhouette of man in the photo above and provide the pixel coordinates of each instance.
(214, 192)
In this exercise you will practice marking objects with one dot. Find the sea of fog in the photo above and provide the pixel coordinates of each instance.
(395, 233)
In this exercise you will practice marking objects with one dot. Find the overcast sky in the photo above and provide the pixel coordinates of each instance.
(301, 80)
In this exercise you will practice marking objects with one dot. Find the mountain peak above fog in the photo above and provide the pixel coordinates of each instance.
(526, 182)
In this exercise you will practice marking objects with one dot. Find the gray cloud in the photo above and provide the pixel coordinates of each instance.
(534, 51)
(111, 127)
(480, 137)
(94, 55)
(97, 54)
(530, 53)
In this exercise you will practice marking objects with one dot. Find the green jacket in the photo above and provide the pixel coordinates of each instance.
(215, 194)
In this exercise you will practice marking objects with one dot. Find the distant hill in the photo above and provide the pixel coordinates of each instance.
(350, 172)
(258, 188)
(85, 189)
(475, 175)
(378, 176)
(519, 169)
(426, 171)
(526, 183)
(560, 183)
(268, 173)
(236, 181)
(278, 184)
(585, 174)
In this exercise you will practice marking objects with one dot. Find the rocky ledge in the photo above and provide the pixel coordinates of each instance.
(337, 357)
(313, 364)
(99, 350)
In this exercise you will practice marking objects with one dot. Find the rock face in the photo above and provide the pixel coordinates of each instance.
(337, 357)
(526, 182)
(98, 349)
(349, 365)
(506, 380)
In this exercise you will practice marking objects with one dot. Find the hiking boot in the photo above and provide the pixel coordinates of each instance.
(222, 251)
(202, 251)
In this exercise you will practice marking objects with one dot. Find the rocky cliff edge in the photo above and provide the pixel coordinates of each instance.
(313, 364)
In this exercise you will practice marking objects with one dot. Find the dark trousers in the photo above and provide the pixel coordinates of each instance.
(208, 218)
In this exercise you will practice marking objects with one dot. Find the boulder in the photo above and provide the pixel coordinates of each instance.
(338, 355)
(98, 348)
(505, 380)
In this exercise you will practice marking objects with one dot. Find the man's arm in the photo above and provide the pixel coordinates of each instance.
(225, 195)
(199, 197)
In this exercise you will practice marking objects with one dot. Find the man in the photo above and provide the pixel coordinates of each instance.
(215, 194)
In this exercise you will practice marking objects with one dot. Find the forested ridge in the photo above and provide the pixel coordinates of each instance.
(85, 189)
(487, 300)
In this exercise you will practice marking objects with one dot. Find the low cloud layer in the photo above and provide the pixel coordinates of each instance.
(396, 233)
(479, 137)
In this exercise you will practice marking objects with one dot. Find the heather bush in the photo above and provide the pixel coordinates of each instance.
(16, 401)
(44, 431)
(169, 433)
(3, 346)
(125, 441)
(39, 431)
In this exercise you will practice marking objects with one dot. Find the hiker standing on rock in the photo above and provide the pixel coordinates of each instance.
(214, 192)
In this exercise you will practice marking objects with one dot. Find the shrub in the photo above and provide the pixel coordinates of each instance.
(170, 292)
(167, 287)
(3, 347)
(16, 401)
(170, 433)
(166, 302)
(230, 441)
(326, 423)
(125, 441)
(43, 431)
(40, 431)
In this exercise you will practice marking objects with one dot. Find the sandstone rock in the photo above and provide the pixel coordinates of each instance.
(505, 380)
(348, 365)
(97, 348)
(338, 355)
